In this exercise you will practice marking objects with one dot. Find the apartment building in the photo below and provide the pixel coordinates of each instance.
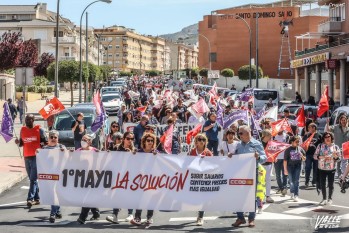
(37, 23)
(183, 56)
(124, 49)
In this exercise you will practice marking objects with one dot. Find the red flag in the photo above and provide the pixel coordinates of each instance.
(192, 133)
(280, 125)
(301, 118)
(345, 147)
(274, 148)
(213, 90)
(323, 103)
(97, 102)
(142, 109)
(166, 139)
(307, 142)
(53, 107)
(212, 100)
(200, 107)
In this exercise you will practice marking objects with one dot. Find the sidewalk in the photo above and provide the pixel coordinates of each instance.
(12, 169)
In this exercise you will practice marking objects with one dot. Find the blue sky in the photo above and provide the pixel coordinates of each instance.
(151, 17)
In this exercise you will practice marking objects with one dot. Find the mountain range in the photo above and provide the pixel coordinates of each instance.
(188, 35)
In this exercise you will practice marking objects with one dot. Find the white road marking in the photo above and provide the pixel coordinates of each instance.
(25, 187)
(14, 203)
(302, 210)
(185, 219)
(277, 216)
(44, 223)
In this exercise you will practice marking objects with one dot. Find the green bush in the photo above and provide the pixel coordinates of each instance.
(32, 88)
(227, 72)
(41, 89)
(50, 89)
(19, 88)
(244, 72)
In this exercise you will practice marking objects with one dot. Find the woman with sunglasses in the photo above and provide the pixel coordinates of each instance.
(293, 157)
(125, 145)
(114, 127)
(117, 140)
(86, 145)
(327, 154)
(148, 145)
(200, 149)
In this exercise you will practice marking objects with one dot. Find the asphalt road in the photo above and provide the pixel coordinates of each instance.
(282, 216)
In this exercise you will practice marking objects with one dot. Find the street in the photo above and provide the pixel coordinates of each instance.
(282, 216)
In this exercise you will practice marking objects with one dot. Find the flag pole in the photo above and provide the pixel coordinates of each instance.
(20, 153)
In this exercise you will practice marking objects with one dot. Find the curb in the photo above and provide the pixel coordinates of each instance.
(12, 182)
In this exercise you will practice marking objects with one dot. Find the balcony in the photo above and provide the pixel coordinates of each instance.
(327, 2)
(67, 58)
(65, 40)
(333, 24)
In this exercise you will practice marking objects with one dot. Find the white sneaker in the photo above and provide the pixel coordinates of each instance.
(295, 199)
(323, 202)
(329, 201)
(129, 218)
(199, 222)
(112, 219)
(292, 196)
(260, 210)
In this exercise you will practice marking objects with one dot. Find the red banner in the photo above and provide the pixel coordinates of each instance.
(53, 107)
(307, 142)
(345, 147)
(274, 148)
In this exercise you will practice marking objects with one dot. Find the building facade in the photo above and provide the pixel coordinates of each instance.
(230, 32)
(37, 23)
(183, 56)
(125, 50)
(327, 61)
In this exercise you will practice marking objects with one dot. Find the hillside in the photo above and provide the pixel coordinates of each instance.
(188, 34)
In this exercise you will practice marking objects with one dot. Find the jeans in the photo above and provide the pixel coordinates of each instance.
(267, 179)
(85, 210)
(330, 181)
(55, 209)
(251, 216)
(294, 171)
(150, 214)
(279, 172)
(21, 115)
(310, 163)
(201, 214)
(116, 211)
(30, 166)
(128, 103)
(213, 146)
(77, 144)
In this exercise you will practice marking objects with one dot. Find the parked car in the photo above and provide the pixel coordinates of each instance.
(105, 90)
(292, 107)
(85, 105)
(112, 103)
(64, 120)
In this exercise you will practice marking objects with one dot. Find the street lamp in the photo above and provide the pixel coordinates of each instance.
(209, 53)
(80, 80)
(250, 32)
(56, 52)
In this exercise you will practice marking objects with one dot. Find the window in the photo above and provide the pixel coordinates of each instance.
(110, 55)
(213, 57)
(66, 54)
(117, 46)
(60, 34)
(343, 11)
(110, 38)
(2, 17)
(110, 46)
(117, 55)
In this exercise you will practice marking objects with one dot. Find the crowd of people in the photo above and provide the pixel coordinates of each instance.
(322, 160)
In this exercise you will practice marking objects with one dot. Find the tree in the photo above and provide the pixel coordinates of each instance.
(41, 68)
(68, 72)
(105, 72)
(227, 73)
(153, 73)
(10, 46)
(244, 72)
(27, 55)
(125, 73)
(40, 81)
(204, 73)
(194, 72)
(94, 72)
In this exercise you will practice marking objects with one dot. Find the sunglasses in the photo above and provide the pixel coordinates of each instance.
(115, 126)
(201, 140)
(53, 137)
(130, 139)
(150, 140)
(240, 133)
(117, 138)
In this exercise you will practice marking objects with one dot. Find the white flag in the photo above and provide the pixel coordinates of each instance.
(272, 113)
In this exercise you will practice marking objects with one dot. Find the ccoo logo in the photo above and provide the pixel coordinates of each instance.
(240, 181)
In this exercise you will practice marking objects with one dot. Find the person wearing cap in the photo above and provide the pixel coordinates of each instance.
(12, 108)
(53, 136)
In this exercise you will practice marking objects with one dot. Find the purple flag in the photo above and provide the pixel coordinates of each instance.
(99, 121)
(235, 116)
(245, 96)
(255, 128)
(7, 124)
(219, 114)
(260, 113)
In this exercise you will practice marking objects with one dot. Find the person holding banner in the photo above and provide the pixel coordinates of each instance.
(31, 138)
(292, 165)
(114, 128)
(248, 145)
(341, 135)
(126, 145)
(327, 153)
(211, 129)
(117, 140)
(53, 136)
(200, 149)
(86, 143)
(228, 147)
(148, 145)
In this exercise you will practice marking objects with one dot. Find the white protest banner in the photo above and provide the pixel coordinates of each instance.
(147, 181)
(183, 129)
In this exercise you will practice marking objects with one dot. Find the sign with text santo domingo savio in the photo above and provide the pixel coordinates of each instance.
(147, 181)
